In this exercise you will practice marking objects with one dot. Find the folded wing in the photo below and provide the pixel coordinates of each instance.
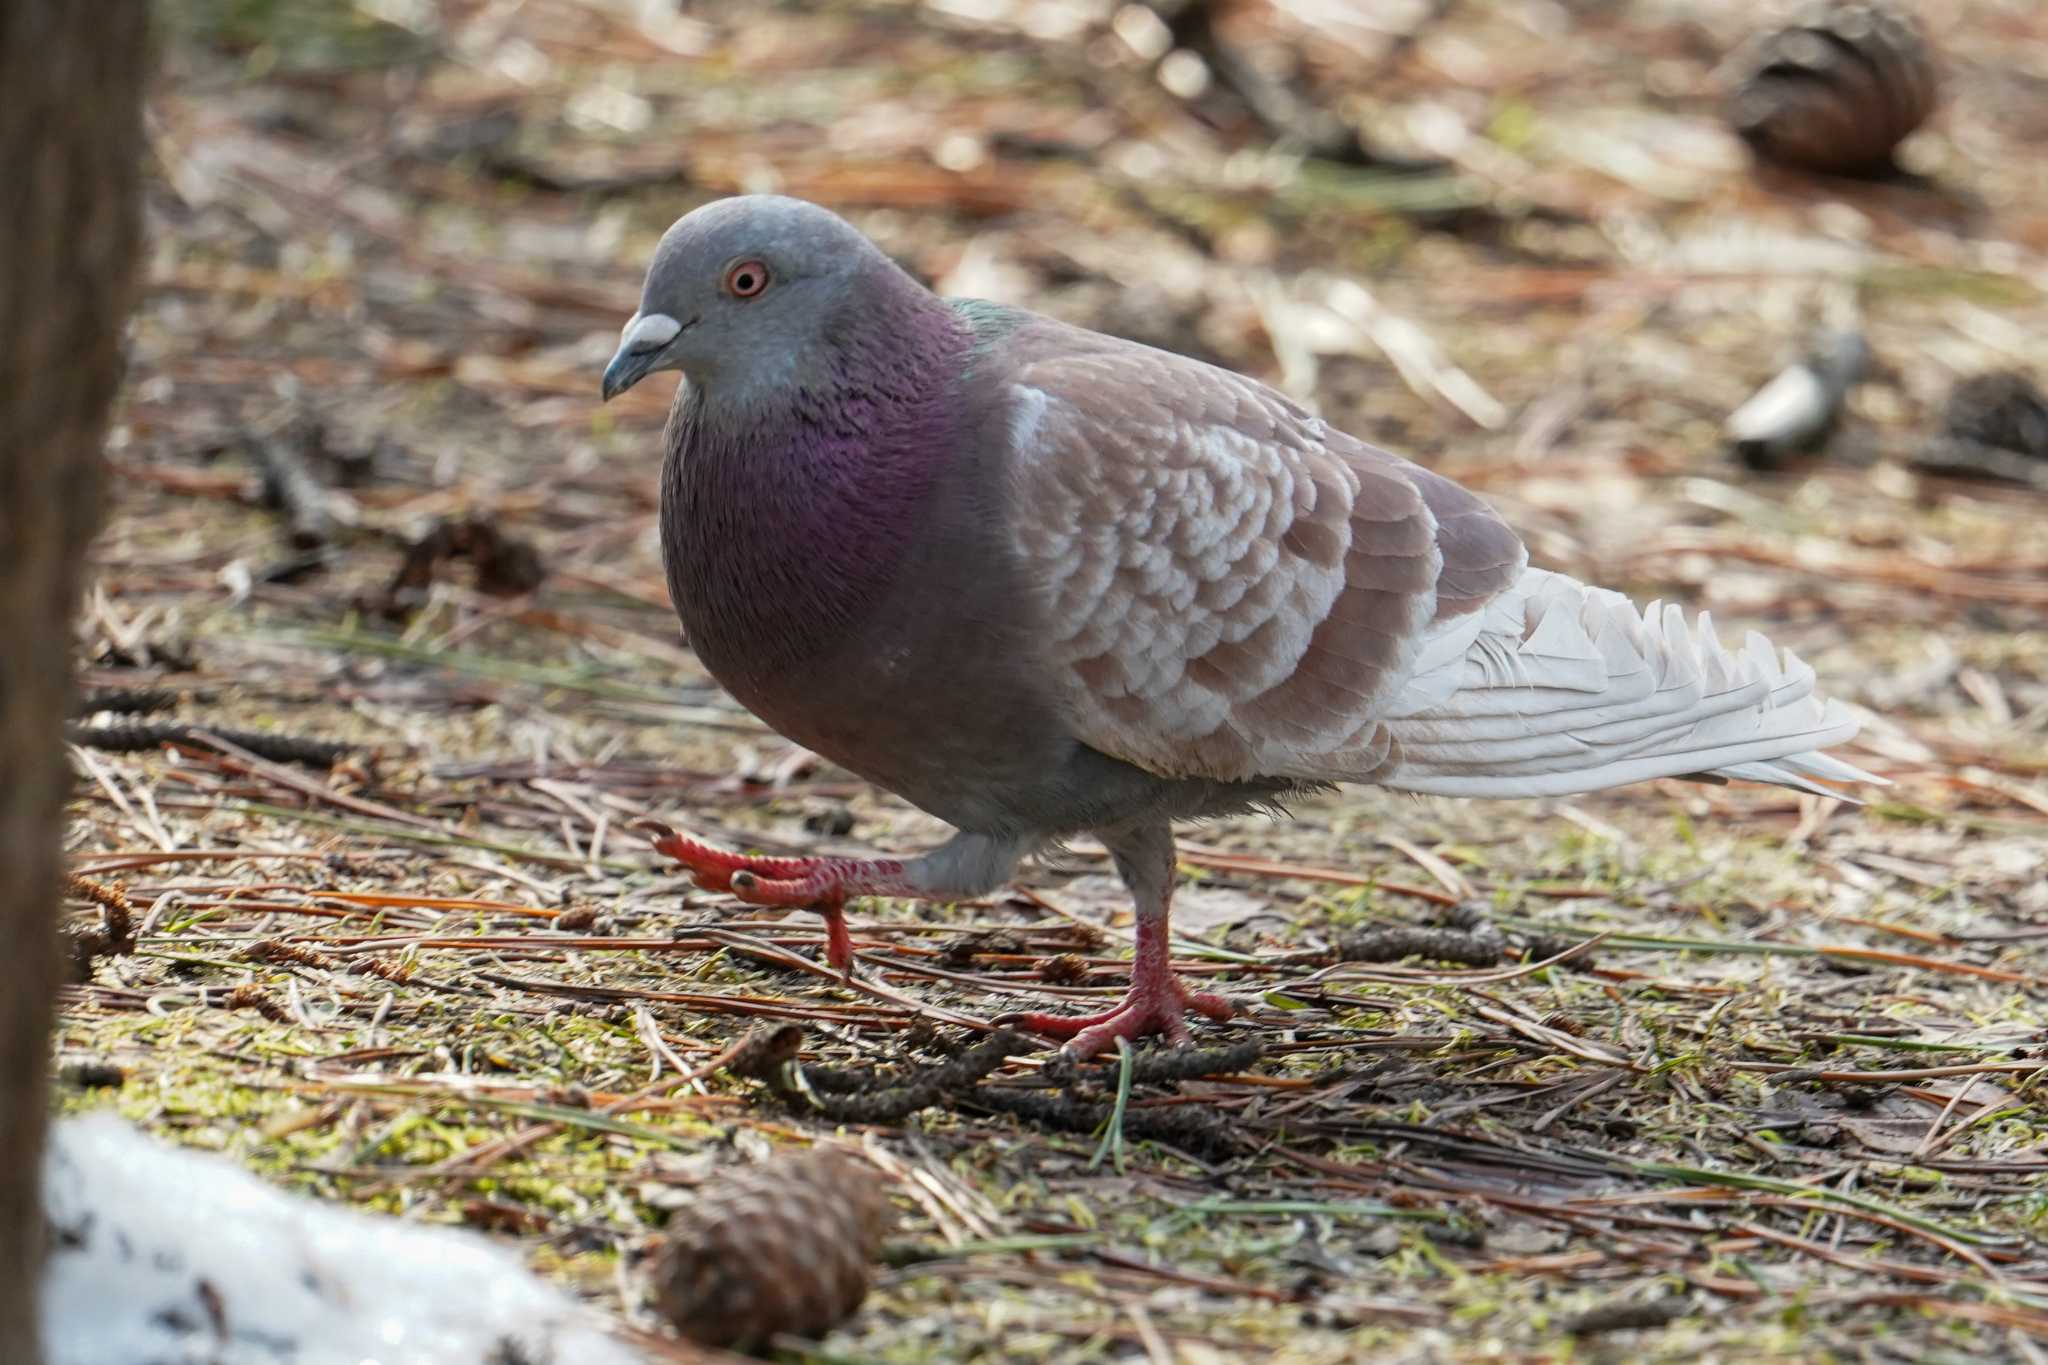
(1231, 588)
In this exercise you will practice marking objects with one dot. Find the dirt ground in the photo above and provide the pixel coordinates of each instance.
(1788, 1104)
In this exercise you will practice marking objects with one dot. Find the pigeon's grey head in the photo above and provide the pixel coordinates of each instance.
(741, 293)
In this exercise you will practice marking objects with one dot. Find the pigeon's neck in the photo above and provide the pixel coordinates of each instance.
(785, 516)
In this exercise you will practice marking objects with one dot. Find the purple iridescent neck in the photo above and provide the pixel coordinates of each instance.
(785, 521)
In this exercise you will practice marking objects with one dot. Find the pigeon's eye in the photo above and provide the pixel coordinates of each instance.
(746, 279)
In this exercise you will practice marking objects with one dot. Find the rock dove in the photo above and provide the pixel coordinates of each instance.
(1042, 582)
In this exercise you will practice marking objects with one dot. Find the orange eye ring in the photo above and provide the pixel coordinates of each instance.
(745, 279)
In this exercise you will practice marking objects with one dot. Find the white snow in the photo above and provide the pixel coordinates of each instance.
(163, 1256)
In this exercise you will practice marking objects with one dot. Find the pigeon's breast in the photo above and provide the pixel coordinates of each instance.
(862, 608)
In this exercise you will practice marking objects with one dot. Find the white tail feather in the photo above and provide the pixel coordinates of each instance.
(1559, 688)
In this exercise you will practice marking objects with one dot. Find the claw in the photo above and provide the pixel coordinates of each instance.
(758, 881)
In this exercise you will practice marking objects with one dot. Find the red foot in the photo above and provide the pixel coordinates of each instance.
(1154, 1004)
(818, 884)
(712, 868)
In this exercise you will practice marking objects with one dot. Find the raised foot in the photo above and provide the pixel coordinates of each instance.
(816, 884)
(1150, 1006)
(713, 868)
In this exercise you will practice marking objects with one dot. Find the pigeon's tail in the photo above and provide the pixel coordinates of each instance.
(1556, 687)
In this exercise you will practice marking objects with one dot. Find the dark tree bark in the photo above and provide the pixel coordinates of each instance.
(71, 76)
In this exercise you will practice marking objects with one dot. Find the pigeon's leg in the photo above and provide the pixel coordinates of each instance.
(965, 866)
(1156, 999)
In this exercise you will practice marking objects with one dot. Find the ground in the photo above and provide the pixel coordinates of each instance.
(1790, 1096)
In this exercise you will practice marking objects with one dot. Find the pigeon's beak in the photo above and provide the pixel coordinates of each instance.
(641, 347)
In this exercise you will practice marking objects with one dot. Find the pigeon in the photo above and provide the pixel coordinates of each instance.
(1042, 582)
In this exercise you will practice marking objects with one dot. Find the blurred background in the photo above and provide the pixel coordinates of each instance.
(1737, 304)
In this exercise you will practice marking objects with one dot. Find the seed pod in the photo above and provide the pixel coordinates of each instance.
(786, 1246)
(2003, 409)
(1836, 90)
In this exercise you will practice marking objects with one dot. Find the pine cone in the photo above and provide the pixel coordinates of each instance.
(786, 1246)
(1836, 90)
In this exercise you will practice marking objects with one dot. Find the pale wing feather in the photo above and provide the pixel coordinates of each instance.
(1565, 688)
(1231, 589)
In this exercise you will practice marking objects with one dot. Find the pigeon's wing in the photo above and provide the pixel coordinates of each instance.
(1231, 589)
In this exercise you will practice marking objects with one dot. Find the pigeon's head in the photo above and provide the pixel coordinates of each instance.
(741, 288)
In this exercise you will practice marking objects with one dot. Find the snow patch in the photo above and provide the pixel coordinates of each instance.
(174, 1257)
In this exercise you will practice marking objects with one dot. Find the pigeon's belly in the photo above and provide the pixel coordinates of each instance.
(972, 746)
(974, 750)
(935, 693)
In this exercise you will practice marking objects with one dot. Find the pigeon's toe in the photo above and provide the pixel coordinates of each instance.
(795, 893)
(710, 867)
(1155, 1005)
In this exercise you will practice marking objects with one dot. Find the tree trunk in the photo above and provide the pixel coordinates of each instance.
(71, 76)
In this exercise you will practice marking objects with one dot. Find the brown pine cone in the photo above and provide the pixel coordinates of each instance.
(1837, 89)
(786, 1246)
